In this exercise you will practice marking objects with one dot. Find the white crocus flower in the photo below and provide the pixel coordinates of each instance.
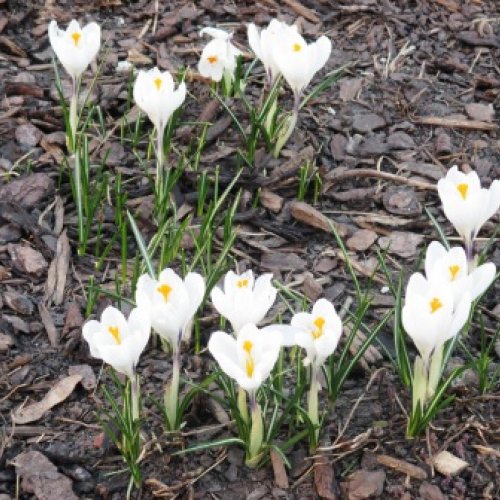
(155, 94)
(76, 47)
(466, 204)
(218, 58)
(450, 267)
(431, 315)
(248, 359)
(262, 43)
(299, 61)
(117, 341)
(171, 302)
(318, 332)
(243, 300)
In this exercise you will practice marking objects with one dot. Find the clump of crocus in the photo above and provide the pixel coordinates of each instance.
(284, 51)
(318, 332)
(433, 313)
(244, 299)
(249, 360)
(171, 303)
(75, 48)
(467, 205)
(219, 57)
(119, 342)
(156, 95)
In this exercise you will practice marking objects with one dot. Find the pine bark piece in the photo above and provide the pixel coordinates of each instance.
(303, 212)
(402, 466)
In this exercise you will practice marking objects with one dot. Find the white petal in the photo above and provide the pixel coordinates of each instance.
(223, 348)
(480, 279)
(435, 252)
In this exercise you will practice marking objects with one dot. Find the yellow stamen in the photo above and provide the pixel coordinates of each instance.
(242, 283)
(157, 82)
(165, 291)
(297, 47)
(462, 189)
(76, 38)
(212, 59)
(454, 270)
(435, 304)
(249, 364)
(115, 333)
(319, 323)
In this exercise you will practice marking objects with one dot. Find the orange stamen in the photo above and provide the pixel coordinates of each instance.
(165, 291)
(462, 189)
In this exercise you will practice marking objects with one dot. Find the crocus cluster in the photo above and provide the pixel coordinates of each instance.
(249, 354)
(438, 304)
(167, 305)
(283, 52)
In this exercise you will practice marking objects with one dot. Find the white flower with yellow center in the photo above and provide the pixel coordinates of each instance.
(299, 61)
(318, 332)
(171, 302)
(450, 267)
(262, 43)
(243, 300)
(466, 204)
(155, 94)
(76, 47)
(117, 341)
(248, 359)
(219, 55)
(431, 315)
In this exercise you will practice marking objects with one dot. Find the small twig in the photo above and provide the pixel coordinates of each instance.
(336, 178)
(439, 121)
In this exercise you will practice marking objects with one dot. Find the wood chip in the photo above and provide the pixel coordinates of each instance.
(309, 215)
(271, 201)
(280, 475)
(49, 325)
(324, 479)
(303, 11)
(58, 271)
(448, 464)
(402, 466)
(35, 411)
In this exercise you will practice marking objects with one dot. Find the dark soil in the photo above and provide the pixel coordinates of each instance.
(388, 114)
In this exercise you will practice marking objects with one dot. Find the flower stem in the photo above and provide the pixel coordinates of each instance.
(73, 115)
(135, 396)
(469, 252)
(159, 160)
(312, 404)
(172, 390)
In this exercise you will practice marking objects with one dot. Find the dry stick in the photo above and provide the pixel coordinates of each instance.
(455, 123)
(366, 172)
